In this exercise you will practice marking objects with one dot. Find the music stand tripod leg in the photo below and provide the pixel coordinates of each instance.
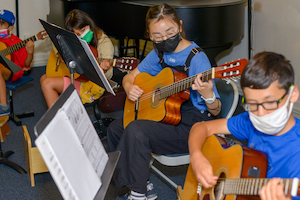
(5, 161)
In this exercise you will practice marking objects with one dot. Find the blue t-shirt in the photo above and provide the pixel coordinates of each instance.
(283, 151)
(199, 63)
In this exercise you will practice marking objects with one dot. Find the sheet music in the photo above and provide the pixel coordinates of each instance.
(86, 132)
(61, 151)
(96, 66)
(72, 151)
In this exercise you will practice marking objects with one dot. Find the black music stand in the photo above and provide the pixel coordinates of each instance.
(77, 55)
(4, 156)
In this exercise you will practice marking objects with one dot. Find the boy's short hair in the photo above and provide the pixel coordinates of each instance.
(266, 67)
(7, 16)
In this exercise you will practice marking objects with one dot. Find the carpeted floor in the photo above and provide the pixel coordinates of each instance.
(17, 186)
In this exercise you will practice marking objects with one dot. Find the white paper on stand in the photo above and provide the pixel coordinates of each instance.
(73, 151)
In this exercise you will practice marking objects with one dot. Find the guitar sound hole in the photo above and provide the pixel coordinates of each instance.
(219, 188)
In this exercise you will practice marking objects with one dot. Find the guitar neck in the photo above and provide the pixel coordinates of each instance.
(252, 186)
(16, 47)
(184, 84)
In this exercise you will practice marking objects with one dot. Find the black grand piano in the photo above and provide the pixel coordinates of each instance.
(213, 24)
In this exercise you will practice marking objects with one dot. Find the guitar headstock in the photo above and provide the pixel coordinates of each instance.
(42, 35)
(126, 64)
(231, 70)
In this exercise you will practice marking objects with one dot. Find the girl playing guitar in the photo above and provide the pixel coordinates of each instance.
(82, 25)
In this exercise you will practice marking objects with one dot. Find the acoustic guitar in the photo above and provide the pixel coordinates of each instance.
(241, 171)
(6, 51)
(165, 92)
(56, 68)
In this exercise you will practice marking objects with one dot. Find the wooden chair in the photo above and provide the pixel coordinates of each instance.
(34, 161)
(4, 127)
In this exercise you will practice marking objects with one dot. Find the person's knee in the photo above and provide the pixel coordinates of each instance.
(43, 77)
(135, 130)
(46, 84)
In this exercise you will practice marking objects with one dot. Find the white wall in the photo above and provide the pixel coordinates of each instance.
(276, 28)
(29, 13)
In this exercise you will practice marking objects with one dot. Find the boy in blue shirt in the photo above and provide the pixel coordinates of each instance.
(269, 126)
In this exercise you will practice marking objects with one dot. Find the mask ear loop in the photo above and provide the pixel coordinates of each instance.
(85, 32)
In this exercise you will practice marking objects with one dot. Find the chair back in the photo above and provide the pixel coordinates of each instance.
(229, 96)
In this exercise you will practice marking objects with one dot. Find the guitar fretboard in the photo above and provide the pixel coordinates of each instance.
(16, 47)
(184, 84)
(252, 186)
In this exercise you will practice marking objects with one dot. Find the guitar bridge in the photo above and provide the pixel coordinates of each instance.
(136, 108)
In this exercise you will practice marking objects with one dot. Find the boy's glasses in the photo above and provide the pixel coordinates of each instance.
(268, 105)
(159, 39)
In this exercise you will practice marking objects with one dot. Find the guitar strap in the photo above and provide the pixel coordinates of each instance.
(186, 67)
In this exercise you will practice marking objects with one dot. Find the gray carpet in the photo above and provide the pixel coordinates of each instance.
(17, 186)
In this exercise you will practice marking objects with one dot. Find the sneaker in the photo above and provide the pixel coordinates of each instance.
(151, 194)
(125, 197)
(26, 70)
(4, 111)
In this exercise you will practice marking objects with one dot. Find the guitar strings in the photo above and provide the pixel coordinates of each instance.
(17, 46)
(187, 82)
(171, 87)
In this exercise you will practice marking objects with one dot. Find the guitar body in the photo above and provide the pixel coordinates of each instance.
(54, 70)
(233, 162)
(61, 70)
(166, 110)
(2, 47)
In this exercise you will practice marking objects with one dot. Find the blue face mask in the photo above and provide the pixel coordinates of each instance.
(87, 35)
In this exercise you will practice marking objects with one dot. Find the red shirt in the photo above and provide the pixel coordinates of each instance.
(18, 57)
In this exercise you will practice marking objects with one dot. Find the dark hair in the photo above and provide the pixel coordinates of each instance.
(159, 12)
(266, 67)
(78, 19)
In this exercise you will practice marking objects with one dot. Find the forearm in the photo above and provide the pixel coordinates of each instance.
(202, 130)
(28, 59)
(127, 81)
(197, 137)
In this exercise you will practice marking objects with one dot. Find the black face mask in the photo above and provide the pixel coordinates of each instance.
(169, 44)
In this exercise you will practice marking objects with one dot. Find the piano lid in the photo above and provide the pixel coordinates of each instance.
(213, 24)
(186, 3)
